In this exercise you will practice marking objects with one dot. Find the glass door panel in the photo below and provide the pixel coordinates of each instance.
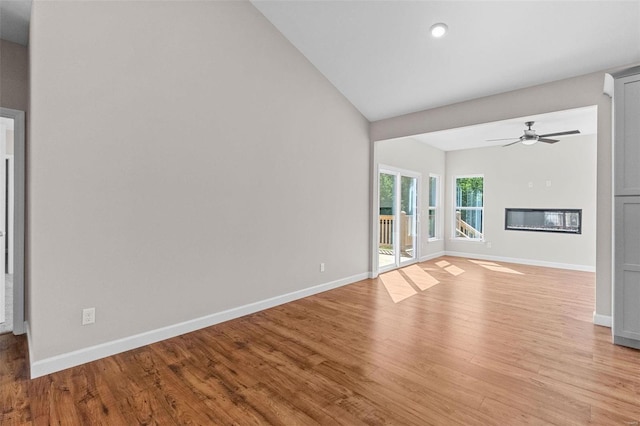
(386, 241)
(407, 217)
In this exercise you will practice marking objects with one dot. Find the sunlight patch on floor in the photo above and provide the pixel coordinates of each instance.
(397, 286)
(422, 279)
(502, 269)
(496, 267)
(443, 263)
(483, 262)
(402, 285)
(454, 270)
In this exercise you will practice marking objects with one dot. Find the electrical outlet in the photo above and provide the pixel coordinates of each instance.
(88, 316)
(488, 244)
(322, 267)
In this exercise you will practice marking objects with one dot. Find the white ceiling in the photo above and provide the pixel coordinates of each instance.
(583, 119)
(380, 55)
(14, 20)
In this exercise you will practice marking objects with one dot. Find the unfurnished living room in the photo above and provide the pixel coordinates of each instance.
(319, 212)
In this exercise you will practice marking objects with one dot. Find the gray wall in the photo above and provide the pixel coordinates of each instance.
(412, 155)
(555, 96)
(569, 166)
(13, 76)
(269, 178)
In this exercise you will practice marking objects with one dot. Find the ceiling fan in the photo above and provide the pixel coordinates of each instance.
(530, 137)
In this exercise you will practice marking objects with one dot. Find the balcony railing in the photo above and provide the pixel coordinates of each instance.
(406, 231)
(464, 230)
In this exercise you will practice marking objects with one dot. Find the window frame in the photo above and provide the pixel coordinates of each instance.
(436, 207)
(455, 208)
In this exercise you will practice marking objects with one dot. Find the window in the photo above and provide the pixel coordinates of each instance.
(469, 208)
(434, 193)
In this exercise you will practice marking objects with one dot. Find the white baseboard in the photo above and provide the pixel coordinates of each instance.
(19, 330)
(92, 353)
(603, 320)
(532, 262)
(431, 256)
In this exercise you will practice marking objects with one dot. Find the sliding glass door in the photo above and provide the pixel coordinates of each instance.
(408, 219)
(397, 218)
(387, 214)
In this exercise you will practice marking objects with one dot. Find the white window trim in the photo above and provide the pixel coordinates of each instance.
(454, 207)
(437, 207)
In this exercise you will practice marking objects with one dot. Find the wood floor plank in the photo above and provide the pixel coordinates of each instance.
(14, 399)
(144, 408)
(389, 405)
(491, 344)
(51, 400)
(276, 409)
(510, 415)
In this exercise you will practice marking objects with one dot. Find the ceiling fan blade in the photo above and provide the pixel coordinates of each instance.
(495, 140)
(545, 140)
(512, 143)
(570, 132)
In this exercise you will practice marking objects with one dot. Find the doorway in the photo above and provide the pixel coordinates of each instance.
(12, 160)
(397, 218)
(6, 288)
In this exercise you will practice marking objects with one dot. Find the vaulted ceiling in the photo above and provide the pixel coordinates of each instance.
(381, 56)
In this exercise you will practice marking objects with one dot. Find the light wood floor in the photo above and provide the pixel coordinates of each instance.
(501, 345)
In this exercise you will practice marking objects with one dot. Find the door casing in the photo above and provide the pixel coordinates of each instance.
(398, 172)
(19, 216)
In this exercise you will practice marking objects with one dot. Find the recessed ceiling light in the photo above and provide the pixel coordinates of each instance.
(439, 30)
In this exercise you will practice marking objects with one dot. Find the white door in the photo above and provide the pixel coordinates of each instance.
(397, 217)
(3, 231)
